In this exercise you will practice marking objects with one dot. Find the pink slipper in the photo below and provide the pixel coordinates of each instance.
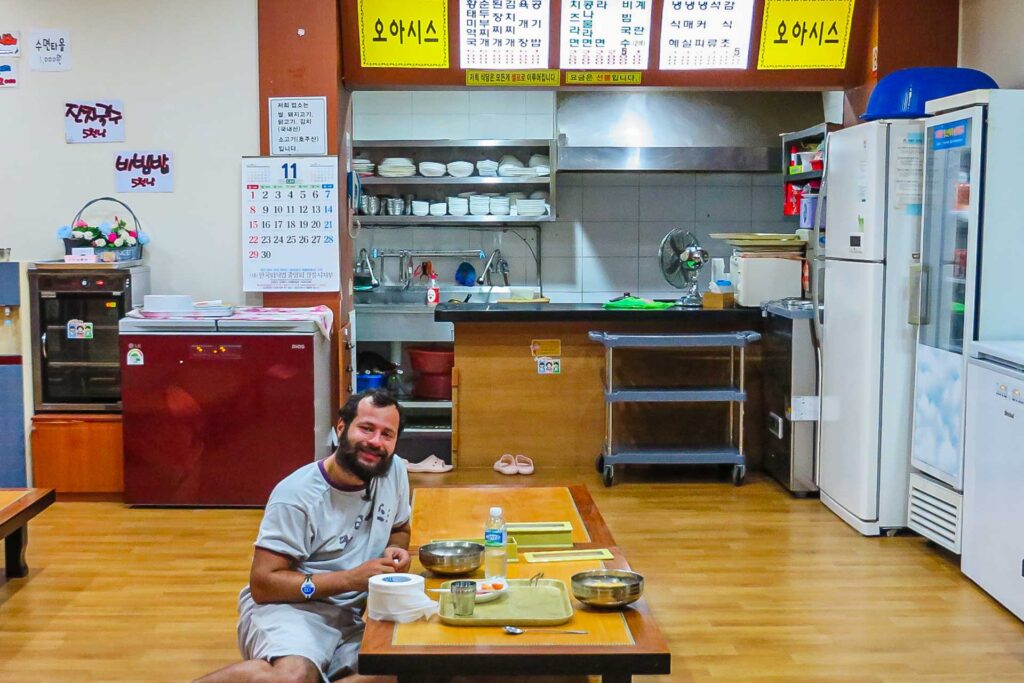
(431, 464)
(506, 464)
(524, 465)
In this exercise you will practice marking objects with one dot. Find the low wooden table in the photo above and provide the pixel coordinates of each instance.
(17, 507)
(620, 643)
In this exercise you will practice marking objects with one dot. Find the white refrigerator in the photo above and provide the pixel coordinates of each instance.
(971, 251)
(873, 218)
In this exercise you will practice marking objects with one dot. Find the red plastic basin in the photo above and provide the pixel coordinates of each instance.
(436, 386)
(432, 362)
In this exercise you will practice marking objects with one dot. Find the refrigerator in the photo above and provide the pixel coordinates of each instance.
(993, 545)
(217, 412)
(872, 190)
(971, 248)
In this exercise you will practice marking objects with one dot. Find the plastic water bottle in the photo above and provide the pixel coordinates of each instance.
(495, 547)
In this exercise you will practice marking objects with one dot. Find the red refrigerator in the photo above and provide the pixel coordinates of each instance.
(218, 412)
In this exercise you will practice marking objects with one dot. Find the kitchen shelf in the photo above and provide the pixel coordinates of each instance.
(803, 177)
(497, 221)
(423, 405)
(492, 142)
(427, 430)
(450, 180)
(731, 454)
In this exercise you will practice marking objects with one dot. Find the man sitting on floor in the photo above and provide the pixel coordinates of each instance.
(328, 527)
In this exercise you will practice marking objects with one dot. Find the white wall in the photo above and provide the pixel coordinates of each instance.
(990, 39)
(188, 74)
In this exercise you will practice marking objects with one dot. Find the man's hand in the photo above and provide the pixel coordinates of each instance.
(360, 576)
(399, 558)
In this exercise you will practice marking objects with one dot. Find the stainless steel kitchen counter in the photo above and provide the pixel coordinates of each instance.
(747, 318)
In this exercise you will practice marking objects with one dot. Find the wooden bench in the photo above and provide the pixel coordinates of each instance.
(17, 507)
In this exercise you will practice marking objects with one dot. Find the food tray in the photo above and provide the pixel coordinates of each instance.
(546, 604)
(553, 535)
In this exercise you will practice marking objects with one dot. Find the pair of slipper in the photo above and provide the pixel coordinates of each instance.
(430, 464)
(519, 464)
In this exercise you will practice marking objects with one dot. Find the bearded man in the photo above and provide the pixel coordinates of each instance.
(328, 527)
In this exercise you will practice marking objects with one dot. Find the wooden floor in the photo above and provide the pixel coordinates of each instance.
(747, 584)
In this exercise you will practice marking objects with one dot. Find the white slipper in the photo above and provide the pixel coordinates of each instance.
(524, 465)
(431, 464)
(506, 464)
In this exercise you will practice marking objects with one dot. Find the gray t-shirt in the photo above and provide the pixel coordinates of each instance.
(326, 529)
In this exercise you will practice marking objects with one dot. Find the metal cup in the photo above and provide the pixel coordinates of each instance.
(5, 254)
(463, 597)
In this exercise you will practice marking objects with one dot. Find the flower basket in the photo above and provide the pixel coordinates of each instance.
(109, 241)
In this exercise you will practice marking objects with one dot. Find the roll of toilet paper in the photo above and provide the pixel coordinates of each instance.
(398, 597)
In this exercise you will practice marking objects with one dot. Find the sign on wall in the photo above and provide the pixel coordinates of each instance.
(10, 43)
(705, 35)
(298, 125)
(143, 172)
(94, 121)
(50, 50)
(290, 224)
(8, 74)
(504, 34)
(605, 34)
(402, 34)
(805, 34)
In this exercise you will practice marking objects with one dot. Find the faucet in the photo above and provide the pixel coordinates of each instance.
(405, 268)
(490, 266)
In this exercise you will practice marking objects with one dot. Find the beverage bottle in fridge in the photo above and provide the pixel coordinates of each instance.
(495, 547)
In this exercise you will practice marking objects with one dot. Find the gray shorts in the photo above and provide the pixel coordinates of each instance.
(327, 635)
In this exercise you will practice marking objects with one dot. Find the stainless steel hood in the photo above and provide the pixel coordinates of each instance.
(679, 131)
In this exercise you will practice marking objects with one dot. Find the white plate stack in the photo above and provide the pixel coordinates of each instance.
(212, 309)
(487, 168)
(432, 169)
(363, 166)
(541, 164)
(460, 169)
(500, 206)
(420, 208)
(458, 206)
(531, 207)
(438, 209)
(511, 167)
(479, 205)
(397, 167)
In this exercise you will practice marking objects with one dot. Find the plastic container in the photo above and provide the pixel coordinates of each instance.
(370, 380)
(432, 385)
(495, 547)
(431, 361)
(808, 207)
(902, 94)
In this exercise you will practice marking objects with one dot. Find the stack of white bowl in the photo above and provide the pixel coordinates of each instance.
(438, 209)
(479, 205)
(420, 208)
(363, 166)
(432, 169)
(458, 206)
(460, 169)
(487, 168)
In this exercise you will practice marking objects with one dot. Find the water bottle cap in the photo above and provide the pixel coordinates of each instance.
(495, 512)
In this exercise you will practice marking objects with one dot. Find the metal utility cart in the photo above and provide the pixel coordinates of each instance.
(735, 394)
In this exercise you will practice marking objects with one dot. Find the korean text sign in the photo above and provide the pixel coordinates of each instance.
(605, 34)
(94, 121)
(298, 125)
(403, 34)
(805, 34)
(504, 34)
(143, 172)
(50, 50)
(710, 34)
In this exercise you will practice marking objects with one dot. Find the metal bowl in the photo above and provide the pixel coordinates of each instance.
(452, 558)
(607, 587)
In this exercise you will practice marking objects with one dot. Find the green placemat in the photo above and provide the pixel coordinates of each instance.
(636, 303)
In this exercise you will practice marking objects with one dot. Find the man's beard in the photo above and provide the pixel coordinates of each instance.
(348, 457)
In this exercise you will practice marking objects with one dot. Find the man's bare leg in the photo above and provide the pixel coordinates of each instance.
(282, 670)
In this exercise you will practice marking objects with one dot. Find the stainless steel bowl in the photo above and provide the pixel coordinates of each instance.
(607, 587)
(452, 557)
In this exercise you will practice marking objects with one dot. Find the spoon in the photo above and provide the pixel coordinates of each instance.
(515, 631)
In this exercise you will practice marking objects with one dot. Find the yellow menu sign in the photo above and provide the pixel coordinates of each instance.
(603, 78)
(543, 77)
(403, 35)
(805, 34)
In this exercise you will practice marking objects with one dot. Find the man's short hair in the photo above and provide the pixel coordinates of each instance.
(380, 398)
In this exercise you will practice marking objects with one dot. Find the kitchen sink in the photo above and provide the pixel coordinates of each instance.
(395, 314)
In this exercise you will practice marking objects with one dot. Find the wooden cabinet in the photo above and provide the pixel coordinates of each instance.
(78, 453)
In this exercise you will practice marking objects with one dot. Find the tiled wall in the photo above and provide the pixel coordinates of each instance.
(453, 115)
(610, 226)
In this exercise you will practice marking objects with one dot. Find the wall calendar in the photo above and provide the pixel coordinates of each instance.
(290, 224)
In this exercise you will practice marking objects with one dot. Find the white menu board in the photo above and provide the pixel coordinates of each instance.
(605, 34)
(504, 34)
(290, 224)
(709, 34)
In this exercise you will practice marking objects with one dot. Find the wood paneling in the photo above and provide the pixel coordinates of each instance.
(356, 77)
(504, 406)
(746, 584)
(78, 453)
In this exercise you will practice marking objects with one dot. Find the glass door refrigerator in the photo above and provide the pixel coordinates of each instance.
(971, 243)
